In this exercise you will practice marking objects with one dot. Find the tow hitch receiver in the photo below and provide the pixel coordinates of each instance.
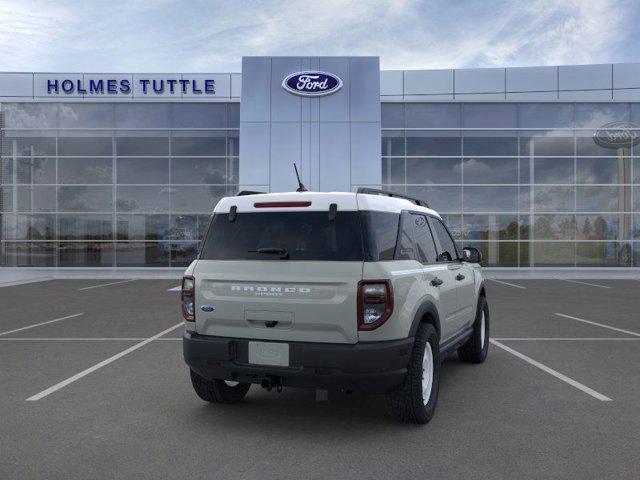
(270, 382)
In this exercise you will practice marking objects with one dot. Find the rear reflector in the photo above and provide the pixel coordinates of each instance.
(281, 204)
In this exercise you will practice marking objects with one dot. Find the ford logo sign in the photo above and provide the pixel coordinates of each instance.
(207, 308)
(312, 83)
(617, 135)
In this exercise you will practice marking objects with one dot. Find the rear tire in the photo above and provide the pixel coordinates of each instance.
(218, 391)
(414, 401)
(476, 348)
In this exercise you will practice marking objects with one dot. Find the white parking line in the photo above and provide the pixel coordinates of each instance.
(97, 339)
(70, 339)
(629, 332)
(15, 283)
(175, 289)
(507, 283)
(97, 366)
(553, 372)
(41, 323)
(584, 283)
(107, 284)
(561, 339)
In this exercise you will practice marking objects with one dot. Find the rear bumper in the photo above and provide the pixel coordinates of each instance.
(373, 367)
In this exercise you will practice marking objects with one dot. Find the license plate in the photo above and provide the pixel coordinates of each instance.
(269, 353)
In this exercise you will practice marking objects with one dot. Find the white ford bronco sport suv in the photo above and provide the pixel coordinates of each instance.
(361, 291)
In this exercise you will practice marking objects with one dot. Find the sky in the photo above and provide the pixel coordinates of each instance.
(212, 36)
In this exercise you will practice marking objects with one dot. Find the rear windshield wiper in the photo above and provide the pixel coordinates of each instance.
(284, 254)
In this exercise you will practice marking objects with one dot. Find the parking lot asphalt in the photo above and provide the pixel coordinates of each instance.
(558, 397)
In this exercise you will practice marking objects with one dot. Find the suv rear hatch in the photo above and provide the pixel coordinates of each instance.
(276, 272)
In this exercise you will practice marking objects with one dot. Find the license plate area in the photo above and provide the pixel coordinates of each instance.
(269, 353)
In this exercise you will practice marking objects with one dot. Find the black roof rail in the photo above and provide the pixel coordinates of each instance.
(375, 191)
(247, 192)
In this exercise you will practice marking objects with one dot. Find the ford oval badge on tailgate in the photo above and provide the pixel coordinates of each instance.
(207, 308)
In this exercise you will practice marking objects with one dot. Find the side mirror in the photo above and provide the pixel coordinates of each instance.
(444, 257)
(471, 255)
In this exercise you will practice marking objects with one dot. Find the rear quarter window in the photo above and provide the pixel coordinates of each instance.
(380, 233)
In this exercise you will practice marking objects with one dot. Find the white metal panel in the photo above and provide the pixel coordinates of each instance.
(366, 167)
(626, 75)
(314, 155)
(391, 82)
(428, 98)
(316, 133)
(532, 79)
(364, 84)
(479, 80)
(285, 150)
(16, 84)
(428, 82)
(585, 77)
(255, 145)
(532, 96)
(334, 156)
(335, 107)
(480, 97)
(285, 106)
(256, 90)
(586, 95)
(236, 85)
(629, 94)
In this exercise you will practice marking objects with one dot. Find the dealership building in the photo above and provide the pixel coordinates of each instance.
(535, 166)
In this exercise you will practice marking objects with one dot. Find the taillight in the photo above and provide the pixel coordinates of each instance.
(375, 303)
(187, 298)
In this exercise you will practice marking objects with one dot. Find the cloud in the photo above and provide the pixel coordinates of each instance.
(172, 36)
(25, 31)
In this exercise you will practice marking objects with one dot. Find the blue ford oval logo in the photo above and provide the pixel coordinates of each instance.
(312, 83)
(207, 308)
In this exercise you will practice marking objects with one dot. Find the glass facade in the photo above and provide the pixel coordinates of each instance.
(524, 182)
(112, 184)
(115, 184)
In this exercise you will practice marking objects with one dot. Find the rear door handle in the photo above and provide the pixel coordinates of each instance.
(460, 277)
(436, 282)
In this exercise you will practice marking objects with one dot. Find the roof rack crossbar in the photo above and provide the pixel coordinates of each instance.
(375, 191)
(248, 192)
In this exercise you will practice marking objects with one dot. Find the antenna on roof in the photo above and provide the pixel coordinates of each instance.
(301, 187)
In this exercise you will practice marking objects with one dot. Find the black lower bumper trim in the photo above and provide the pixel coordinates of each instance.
(371, 367)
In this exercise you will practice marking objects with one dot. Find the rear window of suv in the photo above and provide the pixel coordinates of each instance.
(302, 235)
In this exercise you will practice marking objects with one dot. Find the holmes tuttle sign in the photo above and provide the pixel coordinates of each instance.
(312, 83)
(124, 86)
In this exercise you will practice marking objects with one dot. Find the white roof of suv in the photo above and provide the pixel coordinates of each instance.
(318, 201)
